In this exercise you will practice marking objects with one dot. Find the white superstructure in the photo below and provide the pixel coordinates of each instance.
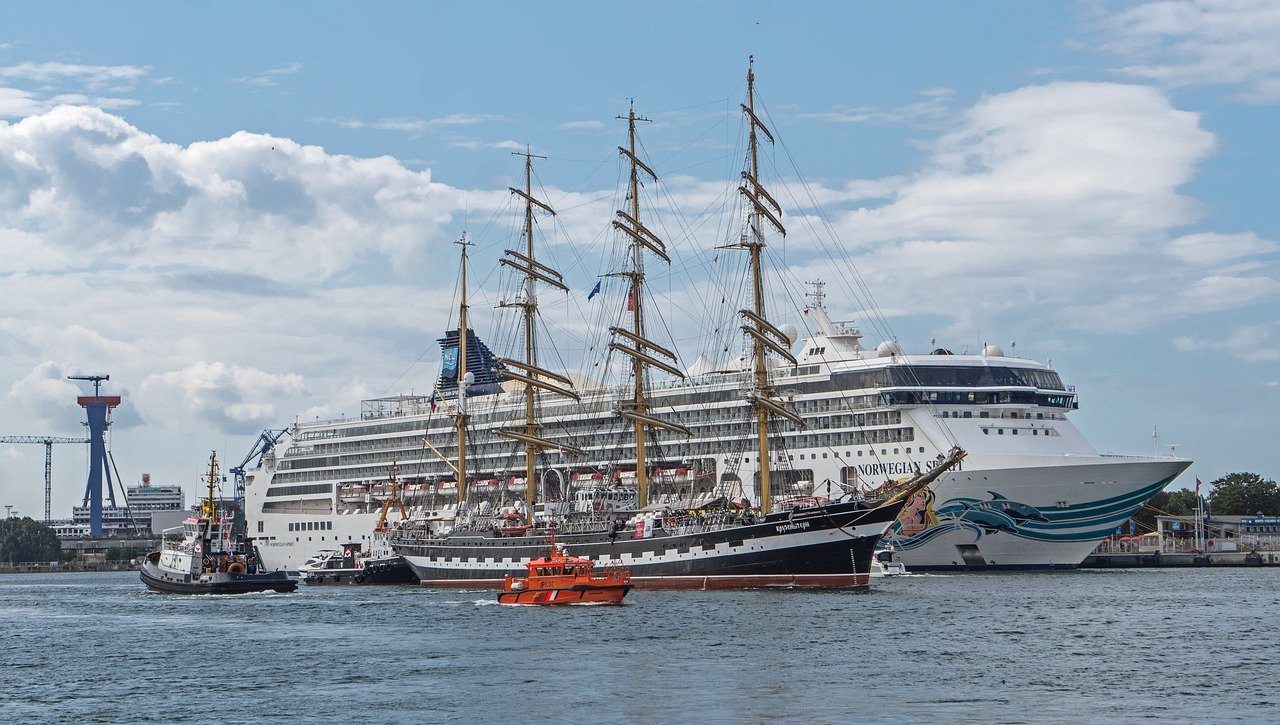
(1031, 493)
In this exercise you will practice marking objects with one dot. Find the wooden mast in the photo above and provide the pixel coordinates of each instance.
(210, 507)
(642, 239)
(764, 335)
(460, 417)
(530, 373)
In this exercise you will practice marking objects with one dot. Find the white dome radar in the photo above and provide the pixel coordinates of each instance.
(791, 332)
(888, 348)
(992, 351)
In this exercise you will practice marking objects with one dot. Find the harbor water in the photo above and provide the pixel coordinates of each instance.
(1078, 645)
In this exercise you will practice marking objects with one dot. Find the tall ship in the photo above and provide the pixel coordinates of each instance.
(792, 454)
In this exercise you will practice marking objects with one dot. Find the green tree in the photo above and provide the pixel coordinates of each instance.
(1244, 494)
(1181, 502)
(25, 539)
(1145, 518)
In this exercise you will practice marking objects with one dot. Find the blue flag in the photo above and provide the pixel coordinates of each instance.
(594, 291)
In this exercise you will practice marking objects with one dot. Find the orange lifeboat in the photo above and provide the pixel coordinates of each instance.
(562, 579)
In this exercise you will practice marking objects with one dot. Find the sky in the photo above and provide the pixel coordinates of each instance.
(243, 212)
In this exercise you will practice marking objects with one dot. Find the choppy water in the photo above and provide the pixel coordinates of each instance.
(1085, 645)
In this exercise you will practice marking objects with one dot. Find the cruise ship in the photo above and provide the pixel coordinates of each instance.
(1031, 493)
(782, 430)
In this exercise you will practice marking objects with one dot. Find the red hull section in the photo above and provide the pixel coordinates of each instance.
(575, 595)
(704, 583)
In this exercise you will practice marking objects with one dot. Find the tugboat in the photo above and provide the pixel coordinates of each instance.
(558, 578)
(209, 560)
(378, 565)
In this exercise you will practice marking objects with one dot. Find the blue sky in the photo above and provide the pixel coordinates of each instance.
(243, 213)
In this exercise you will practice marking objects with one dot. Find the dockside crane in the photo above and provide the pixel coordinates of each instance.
(266, 442)
(48, 442)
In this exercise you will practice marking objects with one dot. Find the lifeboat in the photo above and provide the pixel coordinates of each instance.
(562, 579)
(510, 525)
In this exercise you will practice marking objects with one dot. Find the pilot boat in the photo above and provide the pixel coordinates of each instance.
(209, 560)
(558, 578)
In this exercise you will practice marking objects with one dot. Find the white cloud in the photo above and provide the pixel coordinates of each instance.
(1251, 343)
(1202, 42)
(233, 398)
(934, 105)
(18, 103)
(591, 125)
(1215, 248)
(1053, 203)
(46, 400)
(92, 76)
(270, 77)
(88, 184)
(475, 144)
(410, 124)
(1225, 292)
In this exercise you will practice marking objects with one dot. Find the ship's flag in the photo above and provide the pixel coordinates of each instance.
(594, 291)
(631, 302)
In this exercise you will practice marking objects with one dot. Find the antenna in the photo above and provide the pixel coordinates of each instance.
(95, 379)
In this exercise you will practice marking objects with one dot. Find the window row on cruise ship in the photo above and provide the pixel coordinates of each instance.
(949, 376)
(411, 446)
(1006, 397)
(311, 526)
(373, 466)
(299, 490)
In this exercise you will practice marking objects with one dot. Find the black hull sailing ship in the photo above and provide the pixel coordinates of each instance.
(703, 541)
(823, 546)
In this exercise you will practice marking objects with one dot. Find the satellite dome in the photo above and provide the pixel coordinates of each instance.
(888, 348)
(992, 351)
(702, 366)
(791, 332)
(941, 351)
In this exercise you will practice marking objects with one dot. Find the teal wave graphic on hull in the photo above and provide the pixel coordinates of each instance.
(999, 514)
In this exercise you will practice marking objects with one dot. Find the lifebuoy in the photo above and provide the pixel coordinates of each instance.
(235, 568)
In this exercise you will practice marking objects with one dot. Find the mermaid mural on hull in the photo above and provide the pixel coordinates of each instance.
(922, 520)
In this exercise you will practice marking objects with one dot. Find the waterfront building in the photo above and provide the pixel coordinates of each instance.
(146, 501)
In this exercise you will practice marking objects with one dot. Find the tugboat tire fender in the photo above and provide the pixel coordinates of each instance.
(235, 568)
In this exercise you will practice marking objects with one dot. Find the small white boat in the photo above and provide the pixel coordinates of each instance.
(883, 563)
